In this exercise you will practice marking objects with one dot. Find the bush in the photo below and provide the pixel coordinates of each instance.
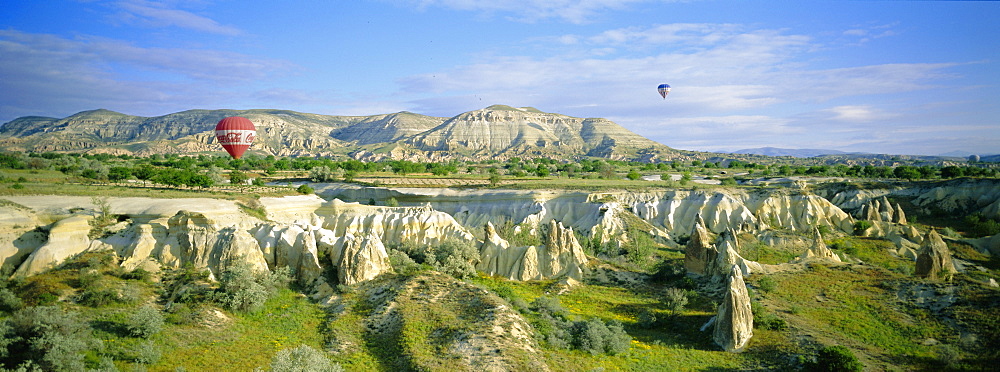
(243, 289)
(457, 258)
(597, 337)
(861, 226)
(187, 285)
(647, 319)
(239, 289)
(454, 257)
(9, 300)
(104, 293)
(46, 337)
(301, 359)
(137, 274)
(593, 335)
(837, 359)
(764, 319)
(305, 189)
(147, 353)
(767, 284)
(145, 322)
(675, 299)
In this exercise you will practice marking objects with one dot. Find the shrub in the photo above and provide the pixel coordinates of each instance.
(301, 359)
(457, 258)
(837, 359)
(764, 319)
(243, 289)
(305, 189)
(402, 263)
(454, 257)
(137, 274)
(593, 335)
(647, 319)
(548, 305)
(767, 284)
(180, 313)
(147, 353)
(239, 289)
(145, 322)
(104, 293)
(46, 337)
(392, 202)
(675, 299)
(9, 300)
(187, 285)
(861, 226)
(597, 337)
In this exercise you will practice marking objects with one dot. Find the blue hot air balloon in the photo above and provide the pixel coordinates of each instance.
(664, 89)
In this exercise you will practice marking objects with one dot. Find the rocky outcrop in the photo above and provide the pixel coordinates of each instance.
(393, 225)
(489, 336)
(967, 196)
(195, 239)
(18, 234)
(934, 258)
(699, 253)
(561, 255)
(818, 251)
(734, 322)
(729, 256)
(360, 259)
(67, 238)
(882, 210)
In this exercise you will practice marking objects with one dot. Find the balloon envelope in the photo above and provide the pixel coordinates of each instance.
(235, 134)
(664, 89)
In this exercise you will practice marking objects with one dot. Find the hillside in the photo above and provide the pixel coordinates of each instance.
(496, 132)
(496, 279)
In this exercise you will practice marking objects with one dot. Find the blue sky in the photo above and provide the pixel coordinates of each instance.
(895, 77)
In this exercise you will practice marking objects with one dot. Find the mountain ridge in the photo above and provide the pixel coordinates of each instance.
(494, 132)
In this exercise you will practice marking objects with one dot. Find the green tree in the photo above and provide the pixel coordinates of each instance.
(237, 177)
(494, 178)
(906, 172)
(116, 174)
(633, 175)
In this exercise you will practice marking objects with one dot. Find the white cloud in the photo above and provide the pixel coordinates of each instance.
(573, 11)
(44, 72)
(159, 14)
(856, 113)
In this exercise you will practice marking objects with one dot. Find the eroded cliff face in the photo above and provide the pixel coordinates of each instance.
(734, 322)
(561, 256)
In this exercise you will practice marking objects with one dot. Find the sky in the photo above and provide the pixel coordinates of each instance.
(896, 77)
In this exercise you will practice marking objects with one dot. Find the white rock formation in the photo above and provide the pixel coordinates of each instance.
(561, 255)
(360, 259)
(818, 251)
(934, 258)
(699, 253)
(729, 256)
(67, 238)
(734, 322)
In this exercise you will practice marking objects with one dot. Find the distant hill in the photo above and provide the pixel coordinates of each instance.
(798, 153)
(495, 132)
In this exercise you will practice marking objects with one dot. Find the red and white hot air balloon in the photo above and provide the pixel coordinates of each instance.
(235, 134)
